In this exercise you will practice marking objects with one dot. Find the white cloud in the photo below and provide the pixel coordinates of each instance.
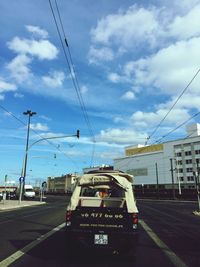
(45, 118)
(55, 79)
(187, 26)
(118, 119)
(187, 101)
(19, 68)
(84, 89)
(129, 95)
(152, 119)
(120, 136)
(114, 77)
(6, 114)
(39, 127)
(127, 28)
(6, 87)
(37, 31)
(184, 4)
(97, 55)
(42, 49)
(18, 95)
(170, 69)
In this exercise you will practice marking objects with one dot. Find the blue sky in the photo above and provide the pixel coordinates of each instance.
(132, 60)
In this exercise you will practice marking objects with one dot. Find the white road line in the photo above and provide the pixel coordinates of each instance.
(18, 254)
(168, 252)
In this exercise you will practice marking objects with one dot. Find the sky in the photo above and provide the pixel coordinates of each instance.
(130, 60)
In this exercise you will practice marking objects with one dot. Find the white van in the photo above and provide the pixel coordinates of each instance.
(29, 192)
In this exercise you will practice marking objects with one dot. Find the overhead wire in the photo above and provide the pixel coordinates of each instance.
(78, 89)
(140, 150)
(72, 72)
(42, 138)
(184, 90)
(77, 83)
(176, 128)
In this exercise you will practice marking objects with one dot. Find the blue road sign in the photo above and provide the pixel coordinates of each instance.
(44, 184)
(21, 179)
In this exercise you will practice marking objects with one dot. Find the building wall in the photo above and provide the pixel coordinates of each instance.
(61, 184)
(141, 162)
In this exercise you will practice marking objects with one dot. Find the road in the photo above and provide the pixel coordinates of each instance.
(169, 236)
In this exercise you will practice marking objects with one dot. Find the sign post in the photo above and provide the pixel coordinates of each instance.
(21, 182)
(4, 194)
(44, 185)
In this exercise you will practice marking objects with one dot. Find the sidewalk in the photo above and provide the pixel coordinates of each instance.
(14, 204)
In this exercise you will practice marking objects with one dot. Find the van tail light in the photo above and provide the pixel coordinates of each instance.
(135, 220)
(68, 217)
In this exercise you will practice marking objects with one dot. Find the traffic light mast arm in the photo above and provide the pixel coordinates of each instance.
(55, 137)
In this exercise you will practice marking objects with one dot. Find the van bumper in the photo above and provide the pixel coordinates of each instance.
(116, 240)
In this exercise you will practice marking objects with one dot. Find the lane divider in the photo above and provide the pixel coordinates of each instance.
(18, 254)
(165, 249)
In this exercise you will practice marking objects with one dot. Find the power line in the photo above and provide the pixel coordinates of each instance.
(72, 71)
(51, 143)
(140, 150)
(184, 90)
(179, 126)
(74, 76)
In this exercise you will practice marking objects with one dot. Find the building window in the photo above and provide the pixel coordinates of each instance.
(178, 154)
(190, 178)
(188, 153)
(179, 170)
(188, 161)
(197, 161)
(191, 186)
(181, 178)
(189, 170)
(179, 162)
(152, 186)
(197, 152)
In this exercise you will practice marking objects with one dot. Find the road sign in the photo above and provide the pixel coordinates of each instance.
(21, 179)
(44, 184)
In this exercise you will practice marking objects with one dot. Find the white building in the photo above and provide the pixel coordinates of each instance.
(162, 163)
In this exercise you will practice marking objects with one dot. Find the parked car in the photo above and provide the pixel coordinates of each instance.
(9, 195)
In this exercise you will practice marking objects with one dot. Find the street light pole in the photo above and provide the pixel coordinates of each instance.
(197, 183)
(172, 174)
(23, 174)
(30, 114)
(157, 182)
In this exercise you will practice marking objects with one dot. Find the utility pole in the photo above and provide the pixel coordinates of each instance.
(157, 183)
(197, 183)
(172, 174)
(23, 174)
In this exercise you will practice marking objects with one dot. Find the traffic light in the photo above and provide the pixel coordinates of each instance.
(78, 133)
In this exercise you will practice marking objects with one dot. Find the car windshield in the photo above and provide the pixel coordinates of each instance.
(29, 190)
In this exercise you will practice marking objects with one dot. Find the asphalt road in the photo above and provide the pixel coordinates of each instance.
(169, 236)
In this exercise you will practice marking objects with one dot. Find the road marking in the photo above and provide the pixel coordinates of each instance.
(18, 254)
(166, 250)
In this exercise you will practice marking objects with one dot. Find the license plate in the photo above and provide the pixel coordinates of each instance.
(100, 239)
